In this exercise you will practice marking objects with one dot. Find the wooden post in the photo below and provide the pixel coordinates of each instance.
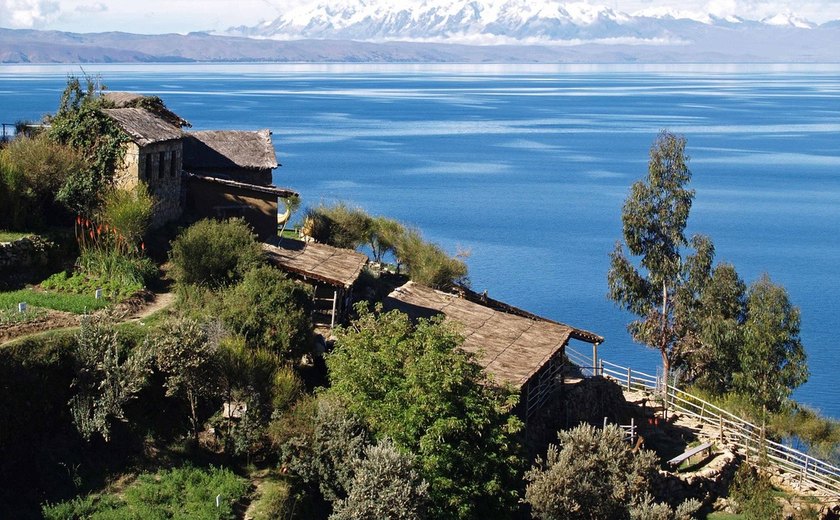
(804, 473)
(702, 411)
(595, 359)
(629, 378)
(332, 317)
(722, 440)
(601, 368)
(632, 430)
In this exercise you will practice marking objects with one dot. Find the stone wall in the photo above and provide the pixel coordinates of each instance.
(26, 260)
(158, 165)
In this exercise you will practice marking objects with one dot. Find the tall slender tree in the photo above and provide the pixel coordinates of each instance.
(654, 218)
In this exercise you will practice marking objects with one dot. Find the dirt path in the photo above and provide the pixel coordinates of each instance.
(158, 303)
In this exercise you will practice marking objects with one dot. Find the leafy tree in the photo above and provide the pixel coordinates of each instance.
(710, 352)
(32, 170)
(592, 474)
(81, 124)
(271, 312)
(413, 385)
(753, 495)
(108, 375)
(185, 355)
(214, 253)
(772, 358)
(386, 485)
(654, 218)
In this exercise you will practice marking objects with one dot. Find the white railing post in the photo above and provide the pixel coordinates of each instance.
(629, 379)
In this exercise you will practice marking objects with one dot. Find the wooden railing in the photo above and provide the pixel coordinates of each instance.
(804, 471)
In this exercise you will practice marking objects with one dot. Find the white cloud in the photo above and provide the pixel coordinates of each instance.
(27, 14)
(98, 7)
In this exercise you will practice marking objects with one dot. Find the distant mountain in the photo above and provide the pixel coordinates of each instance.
(454, 31)
(500, 22)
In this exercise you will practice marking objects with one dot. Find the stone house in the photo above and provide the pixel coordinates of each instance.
(216, 174)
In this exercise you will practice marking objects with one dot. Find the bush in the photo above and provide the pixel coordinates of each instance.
(592, 474)
(271, 312)
(753, 495)
(386, 485)
(31, 173)
(338, 225)
(128, 213)
(427, 263)
(275, 501)
(185, 492)
(118, 275)
(215, 254)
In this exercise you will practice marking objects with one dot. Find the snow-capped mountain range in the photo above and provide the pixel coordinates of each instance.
(497, 22)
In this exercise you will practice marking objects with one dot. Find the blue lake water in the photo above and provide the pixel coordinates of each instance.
(528, 167)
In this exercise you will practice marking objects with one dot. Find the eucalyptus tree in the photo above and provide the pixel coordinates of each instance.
(662, 289)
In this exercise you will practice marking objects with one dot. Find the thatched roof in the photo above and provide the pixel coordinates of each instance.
(331, 265)
(142, 126)
(259, 188)
(151, 103)
(219, 149)
(510, 347)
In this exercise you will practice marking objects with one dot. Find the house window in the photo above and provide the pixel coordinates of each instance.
(225, 212)
(173, 163)
(148, 166)
(161, 164)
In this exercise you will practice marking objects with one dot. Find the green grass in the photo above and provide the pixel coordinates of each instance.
(11, 236)
(185, 492)
(75, 303)
(12, 316)
(273, 502)
(718, 515)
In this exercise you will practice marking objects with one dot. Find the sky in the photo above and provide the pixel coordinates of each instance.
(182, 16)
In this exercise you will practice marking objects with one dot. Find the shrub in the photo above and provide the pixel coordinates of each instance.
(386, 485)
(128, 213)
(592, 474)
(31, 173)
(318, 440)
(214, 253)
(338, 225)
(753, 495)
(427, 263)
(271, 312)
(107, 377)
(275, 501)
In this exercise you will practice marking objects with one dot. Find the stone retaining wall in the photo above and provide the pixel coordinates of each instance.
(25, 253)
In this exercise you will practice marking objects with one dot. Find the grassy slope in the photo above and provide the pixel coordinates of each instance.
(75, 303)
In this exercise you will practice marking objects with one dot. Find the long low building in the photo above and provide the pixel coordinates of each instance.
(513, 346)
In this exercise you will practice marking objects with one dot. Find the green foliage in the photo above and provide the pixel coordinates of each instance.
(412, 384)
(338, 225)
(386, 485)
(75, 303)
(11, 236)
(185, 354)
(185, 492)
(118, 275)
(108, 376)
(772, 358)
(271, 312)
(753, 495)
(318, 440)
(654, 218)
(427, 263)
(80, 123)
(709, 355)
(128, 213)
(214, 253)
(275, 501)
(31, 173)
(342, 226)
(592, 474)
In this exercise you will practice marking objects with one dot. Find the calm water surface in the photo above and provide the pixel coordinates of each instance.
(528, 167)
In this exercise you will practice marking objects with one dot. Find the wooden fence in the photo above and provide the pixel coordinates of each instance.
(801, 470)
